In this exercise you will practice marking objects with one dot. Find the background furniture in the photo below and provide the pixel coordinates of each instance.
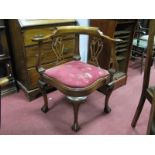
(140, 42)
(148, 92)
(5, 61)
(24, 50)
(3, 82)
(72, 77)
(122, 29)
(151, 123)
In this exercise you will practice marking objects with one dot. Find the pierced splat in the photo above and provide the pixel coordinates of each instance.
(58, 48)
(96, 46)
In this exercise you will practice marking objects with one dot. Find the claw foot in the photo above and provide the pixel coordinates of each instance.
(44, 109)
(75, 127)
(107, 109)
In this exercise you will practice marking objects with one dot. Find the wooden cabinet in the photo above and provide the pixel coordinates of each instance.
(5, 61)
(122, 29)
(25, 50)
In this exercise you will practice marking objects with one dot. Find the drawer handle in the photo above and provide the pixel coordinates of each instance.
(38, 36)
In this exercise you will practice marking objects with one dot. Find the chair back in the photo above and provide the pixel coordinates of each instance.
(96, 43)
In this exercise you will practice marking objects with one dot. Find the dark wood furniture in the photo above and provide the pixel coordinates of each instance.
(148, 92)
(122, 29)
(72, 77)
(25, 50)
(151, 123)
(140, 42)
(3, 82)
(5, 61)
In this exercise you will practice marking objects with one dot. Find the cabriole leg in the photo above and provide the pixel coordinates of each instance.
(109, 90)
(42, 86)
(75, 126)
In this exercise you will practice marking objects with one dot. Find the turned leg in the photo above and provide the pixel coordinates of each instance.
(42, 86)
(138, 110)
(75, 125)
(108, 93)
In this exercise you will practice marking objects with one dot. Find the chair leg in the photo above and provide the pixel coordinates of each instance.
(108, 93)
(138, 110)
(42, 86)
(142, 62)
(151, 123)
(75, 126)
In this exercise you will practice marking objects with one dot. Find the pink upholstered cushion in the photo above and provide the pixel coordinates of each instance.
(76, 74)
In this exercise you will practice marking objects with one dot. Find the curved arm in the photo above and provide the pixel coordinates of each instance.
(94, 31)
(109, 38)
(41, 38)
(75, 29)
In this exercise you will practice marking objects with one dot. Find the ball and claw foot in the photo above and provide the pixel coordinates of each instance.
(44, 109)
(107, 109)
(75, 127)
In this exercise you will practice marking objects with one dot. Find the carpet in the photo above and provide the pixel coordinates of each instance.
(21, 117)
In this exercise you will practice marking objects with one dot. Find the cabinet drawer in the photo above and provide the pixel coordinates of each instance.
(3, 42)
(29, 34)
(33, 75)
(47, 56)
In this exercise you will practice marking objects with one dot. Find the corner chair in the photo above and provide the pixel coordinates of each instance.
(74, 78)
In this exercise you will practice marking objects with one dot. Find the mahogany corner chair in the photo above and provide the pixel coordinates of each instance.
(72, 77)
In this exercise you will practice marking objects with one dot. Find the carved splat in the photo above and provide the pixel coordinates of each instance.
(96, 46)
(58, 48)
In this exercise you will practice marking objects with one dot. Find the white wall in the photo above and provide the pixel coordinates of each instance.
(83, 40)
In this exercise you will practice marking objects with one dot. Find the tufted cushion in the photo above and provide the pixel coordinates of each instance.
(76, 74)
